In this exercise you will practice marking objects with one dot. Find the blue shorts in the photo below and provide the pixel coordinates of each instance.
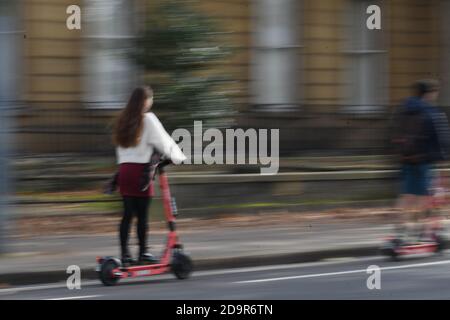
(417, 179)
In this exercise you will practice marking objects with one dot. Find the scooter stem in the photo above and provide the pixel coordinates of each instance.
(165, 190)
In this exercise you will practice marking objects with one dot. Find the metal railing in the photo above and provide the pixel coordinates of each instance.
(70, 127)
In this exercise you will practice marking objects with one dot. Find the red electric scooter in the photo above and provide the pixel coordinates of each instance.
(173, 258)
(431, 240)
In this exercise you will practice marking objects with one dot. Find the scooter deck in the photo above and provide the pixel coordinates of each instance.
(141, 270)
(395, 249)
(417, 248)
(140, 264)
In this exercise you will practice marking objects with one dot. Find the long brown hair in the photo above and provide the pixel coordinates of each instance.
(129, 123)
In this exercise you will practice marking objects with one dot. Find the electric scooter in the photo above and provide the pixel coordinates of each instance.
(430, 241)
(173, 258)
(395, 248)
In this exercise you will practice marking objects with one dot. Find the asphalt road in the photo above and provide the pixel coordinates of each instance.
(412, 278)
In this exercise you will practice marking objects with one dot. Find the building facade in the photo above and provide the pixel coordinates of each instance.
(309, 67)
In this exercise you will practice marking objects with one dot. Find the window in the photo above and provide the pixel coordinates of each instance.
(445, 54)
(10, 37)
(275, 68)
(366, 61)
(109, 74)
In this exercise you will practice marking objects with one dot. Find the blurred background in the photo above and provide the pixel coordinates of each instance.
(310, 68)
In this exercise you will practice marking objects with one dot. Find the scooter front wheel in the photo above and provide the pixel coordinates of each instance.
(181, 265)
(106, 272)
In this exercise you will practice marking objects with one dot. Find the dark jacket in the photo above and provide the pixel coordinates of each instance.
(436, 134)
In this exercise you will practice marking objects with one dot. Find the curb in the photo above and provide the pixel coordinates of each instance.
(88, 273)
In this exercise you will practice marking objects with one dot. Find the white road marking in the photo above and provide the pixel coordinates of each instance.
(416, 265)
(278, 267)
(43, 287)
(74, 298)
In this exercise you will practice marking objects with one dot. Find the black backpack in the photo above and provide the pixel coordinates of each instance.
(411, 136)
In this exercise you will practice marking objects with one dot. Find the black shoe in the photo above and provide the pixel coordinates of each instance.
(147, 258)
(127, 260)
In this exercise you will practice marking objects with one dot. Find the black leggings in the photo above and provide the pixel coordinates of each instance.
(138, 206)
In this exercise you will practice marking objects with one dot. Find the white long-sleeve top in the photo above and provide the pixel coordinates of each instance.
(154, 136)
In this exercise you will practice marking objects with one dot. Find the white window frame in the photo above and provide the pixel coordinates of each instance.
(108, 74)
(444, 96)
(366, 68)
(276, 83)
(10, 53)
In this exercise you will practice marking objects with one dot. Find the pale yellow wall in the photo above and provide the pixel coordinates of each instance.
(232, 18)
(414, 44)
(412, 32)
(52, 52)
(322, 58)
(52, 73)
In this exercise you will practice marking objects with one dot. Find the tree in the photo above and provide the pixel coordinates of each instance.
(176, 48)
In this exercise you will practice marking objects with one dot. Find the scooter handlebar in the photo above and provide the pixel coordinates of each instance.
(159, 160)
(164, 162)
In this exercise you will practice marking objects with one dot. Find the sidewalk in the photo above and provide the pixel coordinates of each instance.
(215, 244)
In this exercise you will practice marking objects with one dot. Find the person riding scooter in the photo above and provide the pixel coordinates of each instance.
(137, 134)
(422, 140)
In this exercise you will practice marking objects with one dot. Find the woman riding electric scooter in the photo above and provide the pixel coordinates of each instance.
(137, 133)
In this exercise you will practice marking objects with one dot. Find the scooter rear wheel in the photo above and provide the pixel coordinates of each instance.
(389, 249)
(181, 265)
(441, 242)
(106, 272)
